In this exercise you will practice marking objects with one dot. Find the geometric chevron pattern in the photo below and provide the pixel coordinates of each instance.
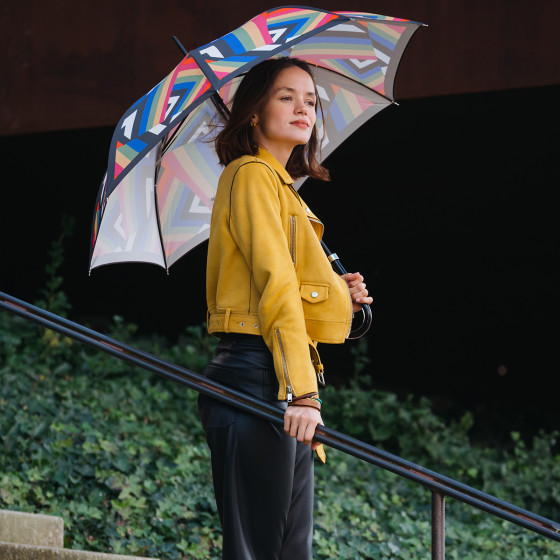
(369, 17)
(155, 201)
(173, 94)
(187, 180)
(365, 58)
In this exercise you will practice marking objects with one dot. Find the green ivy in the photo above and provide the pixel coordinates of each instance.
(120, 454)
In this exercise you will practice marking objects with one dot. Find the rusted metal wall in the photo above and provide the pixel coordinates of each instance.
(70, 64)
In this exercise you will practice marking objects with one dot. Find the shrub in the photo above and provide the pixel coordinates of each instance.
(119, 453)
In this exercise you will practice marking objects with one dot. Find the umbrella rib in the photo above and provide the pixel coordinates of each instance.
(221, 107)
(156, 206)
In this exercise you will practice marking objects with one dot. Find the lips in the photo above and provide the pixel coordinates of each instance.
(300, 124)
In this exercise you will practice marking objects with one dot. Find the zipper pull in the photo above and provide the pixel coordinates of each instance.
(289, 394)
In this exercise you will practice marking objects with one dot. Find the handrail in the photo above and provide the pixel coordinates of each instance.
(439, 485)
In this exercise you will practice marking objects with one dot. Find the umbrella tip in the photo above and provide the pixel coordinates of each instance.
(178, 43)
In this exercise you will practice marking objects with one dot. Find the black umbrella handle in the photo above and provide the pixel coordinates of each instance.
(366, 309)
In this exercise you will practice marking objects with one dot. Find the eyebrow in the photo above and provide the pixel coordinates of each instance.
(292, 90)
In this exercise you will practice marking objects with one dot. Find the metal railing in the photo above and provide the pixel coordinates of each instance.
(439, 485)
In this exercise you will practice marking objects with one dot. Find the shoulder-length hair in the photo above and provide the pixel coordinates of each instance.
(236, 139)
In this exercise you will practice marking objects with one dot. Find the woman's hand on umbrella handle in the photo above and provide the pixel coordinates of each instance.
(300, 422)
(357, 289)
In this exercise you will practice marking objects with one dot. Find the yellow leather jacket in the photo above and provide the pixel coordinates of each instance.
(267, 273)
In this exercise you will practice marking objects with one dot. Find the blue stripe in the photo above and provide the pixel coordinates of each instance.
(136, 145)
(235, 44)
(377, 39)
(146, 111)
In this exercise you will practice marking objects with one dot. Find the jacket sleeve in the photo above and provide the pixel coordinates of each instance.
(256, 226)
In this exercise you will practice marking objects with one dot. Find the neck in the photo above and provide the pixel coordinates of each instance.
(281, 153)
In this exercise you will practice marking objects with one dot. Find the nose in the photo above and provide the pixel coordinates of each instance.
(301, 107)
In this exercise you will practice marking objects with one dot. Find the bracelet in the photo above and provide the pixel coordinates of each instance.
(306, 396)
(307, 401)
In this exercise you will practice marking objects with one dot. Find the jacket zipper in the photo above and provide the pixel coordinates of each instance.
(293, 238)
(289, 391)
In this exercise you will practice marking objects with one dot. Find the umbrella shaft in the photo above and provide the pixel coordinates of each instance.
(334, 260)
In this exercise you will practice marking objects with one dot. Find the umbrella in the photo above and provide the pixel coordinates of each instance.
(155, 201)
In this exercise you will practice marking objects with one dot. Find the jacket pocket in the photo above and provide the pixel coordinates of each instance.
(314, 293)
(293, 239)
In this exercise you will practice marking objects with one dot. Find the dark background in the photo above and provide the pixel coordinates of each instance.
(446, 203)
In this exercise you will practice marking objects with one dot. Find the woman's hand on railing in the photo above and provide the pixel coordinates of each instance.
(300, 422)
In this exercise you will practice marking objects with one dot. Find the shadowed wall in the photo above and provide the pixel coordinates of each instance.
(68, 64)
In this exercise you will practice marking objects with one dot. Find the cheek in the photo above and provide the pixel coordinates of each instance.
(313, 118)
(313, 128)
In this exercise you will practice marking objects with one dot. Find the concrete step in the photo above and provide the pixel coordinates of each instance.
(12, 551)
(31, 528)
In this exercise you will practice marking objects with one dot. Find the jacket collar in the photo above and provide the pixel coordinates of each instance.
(266, 156)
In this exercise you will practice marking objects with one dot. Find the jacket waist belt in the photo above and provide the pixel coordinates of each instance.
(229, 322)
(234, 322)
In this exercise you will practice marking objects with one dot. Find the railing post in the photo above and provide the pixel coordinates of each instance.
(438, 526)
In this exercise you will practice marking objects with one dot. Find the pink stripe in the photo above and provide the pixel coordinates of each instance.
(260, 23)
(168, 92)
(118, 169)
(326, 19)
(185, 64)
(175, 169)
(398, 28)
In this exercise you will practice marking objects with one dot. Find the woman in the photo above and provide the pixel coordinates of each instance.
(272, 295)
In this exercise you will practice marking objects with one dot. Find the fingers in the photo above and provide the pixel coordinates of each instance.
(300, 422)
(357, 288)
(361, 295)
(352, 278)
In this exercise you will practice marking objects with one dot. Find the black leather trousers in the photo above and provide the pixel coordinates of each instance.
(263, 478)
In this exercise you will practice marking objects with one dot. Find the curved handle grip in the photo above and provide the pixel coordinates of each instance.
(366, 309)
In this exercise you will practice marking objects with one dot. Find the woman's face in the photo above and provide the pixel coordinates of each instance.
(288, 117)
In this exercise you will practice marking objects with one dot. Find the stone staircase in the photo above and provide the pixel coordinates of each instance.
(30, 536)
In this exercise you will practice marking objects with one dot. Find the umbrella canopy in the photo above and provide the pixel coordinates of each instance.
(155, 201)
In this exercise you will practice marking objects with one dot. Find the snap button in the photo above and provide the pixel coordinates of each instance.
(242, 324)
(314, 294)
(256, 326)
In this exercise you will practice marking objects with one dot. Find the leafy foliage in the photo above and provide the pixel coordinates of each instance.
(120, 455)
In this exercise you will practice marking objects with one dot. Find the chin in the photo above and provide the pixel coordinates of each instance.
(302, 139)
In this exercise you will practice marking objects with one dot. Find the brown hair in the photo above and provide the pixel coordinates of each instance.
(235, 139)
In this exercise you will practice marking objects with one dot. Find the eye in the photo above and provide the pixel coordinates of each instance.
(311, 102)
(286, 98)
